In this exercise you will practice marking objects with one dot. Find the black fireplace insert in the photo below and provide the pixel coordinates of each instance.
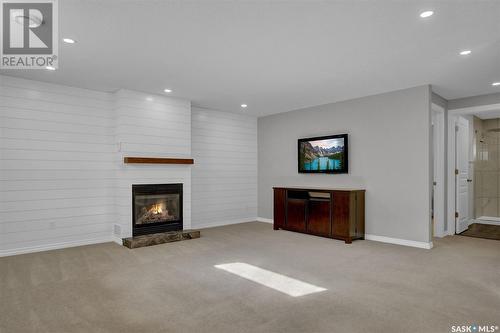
(156, 208)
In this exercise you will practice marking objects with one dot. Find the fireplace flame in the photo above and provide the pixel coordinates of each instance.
(156, 209)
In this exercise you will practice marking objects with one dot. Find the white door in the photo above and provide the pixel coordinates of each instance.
(462, 174)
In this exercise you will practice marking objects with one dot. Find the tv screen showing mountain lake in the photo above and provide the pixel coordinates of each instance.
(321, 155)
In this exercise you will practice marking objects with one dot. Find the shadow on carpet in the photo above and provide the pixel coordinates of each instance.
(480, 230)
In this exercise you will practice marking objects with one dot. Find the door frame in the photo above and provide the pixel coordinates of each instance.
(439, 172)
(452, 115)
(452, 119)
(460, 120)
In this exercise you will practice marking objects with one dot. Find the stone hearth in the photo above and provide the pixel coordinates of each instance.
(160, 238)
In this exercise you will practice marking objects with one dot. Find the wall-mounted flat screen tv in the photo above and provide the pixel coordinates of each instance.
(324, 154)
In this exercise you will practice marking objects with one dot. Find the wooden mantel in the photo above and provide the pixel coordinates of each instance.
(157, 160)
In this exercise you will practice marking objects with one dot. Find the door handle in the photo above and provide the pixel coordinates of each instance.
(469, 180)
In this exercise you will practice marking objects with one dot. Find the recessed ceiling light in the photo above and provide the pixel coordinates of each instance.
(465, 52)
(168, 90)
(244, 105)
(50, 68)
(69, 40)
(427, 13)
(495, 84)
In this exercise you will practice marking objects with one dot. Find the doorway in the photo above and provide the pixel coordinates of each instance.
(474, 172)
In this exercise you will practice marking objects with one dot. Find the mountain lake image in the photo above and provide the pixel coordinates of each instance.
(322, 155)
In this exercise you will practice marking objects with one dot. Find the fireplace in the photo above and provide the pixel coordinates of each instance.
(156, 208)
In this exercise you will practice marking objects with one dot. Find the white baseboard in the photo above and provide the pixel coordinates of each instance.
(487, 220)
(398, 241)
(405, 242)
(222, 223)
(54, 246)
(111, 238)
(117, 240)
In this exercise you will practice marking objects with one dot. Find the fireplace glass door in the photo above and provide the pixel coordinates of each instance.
(156, 208)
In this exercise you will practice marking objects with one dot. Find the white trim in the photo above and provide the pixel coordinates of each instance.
(437, 107)
(112, 238)
(117, 240)
(487, 220)
(55, 246)
(440, 233)
(439, 169)
(263, 219)
(451, 195)
(398, 241)
(223, 223)
(474, 109)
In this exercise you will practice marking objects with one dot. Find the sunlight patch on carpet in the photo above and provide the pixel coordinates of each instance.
(276, 281)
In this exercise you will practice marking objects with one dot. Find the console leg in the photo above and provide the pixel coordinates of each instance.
(275, 227)
(348, 241)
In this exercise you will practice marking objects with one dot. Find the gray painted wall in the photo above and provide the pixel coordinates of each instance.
(389, 140)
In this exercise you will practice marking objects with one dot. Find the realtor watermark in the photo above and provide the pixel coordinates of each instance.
(29, 34)
(474, 328)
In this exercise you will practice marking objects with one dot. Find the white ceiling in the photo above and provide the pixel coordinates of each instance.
(277, 56)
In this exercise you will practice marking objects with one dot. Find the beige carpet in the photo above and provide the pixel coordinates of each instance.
(372, 287)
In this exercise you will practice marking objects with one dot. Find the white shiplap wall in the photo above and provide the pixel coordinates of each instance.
(224, 177)
(62, 177)
(57, 166)
(151, 126)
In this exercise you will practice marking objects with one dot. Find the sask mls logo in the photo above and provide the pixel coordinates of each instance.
(29, 34)
(474, 328)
